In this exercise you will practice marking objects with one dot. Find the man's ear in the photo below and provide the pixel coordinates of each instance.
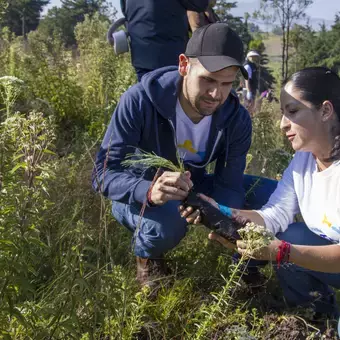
(183, 65)
(327, 110)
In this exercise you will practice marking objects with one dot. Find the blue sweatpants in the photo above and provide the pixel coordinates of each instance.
(303, 286)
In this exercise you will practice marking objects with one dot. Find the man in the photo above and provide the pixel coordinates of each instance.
(207, 17)
(190, 111)
(251, 65)
(158, 30)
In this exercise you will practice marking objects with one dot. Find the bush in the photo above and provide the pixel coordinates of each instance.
(270, 154)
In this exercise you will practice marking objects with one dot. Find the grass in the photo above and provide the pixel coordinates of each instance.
(80, 279)
(66, 266)
(273, 46)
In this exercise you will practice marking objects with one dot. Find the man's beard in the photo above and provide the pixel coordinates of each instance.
(195, 103)
(205, 111)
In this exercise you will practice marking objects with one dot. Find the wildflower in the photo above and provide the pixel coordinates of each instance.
(10, 80)
(256, 236)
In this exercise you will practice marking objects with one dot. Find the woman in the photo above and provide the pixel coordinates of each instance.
(310, 105)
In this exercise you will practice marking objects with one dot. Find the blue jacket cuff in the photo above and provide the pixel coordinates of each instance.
(141, 190)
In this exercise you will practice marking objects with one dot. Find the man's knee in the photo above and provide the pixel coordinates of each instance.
(119, 212)
(161, 228)
(164, 224)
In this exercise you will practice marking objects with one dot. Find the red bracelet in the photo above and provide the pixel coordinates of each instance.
(283, 253)
(158, 173)
(148, 195)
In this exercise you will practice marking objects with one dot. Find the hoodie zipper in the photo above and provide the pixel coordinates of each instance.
(219, 135)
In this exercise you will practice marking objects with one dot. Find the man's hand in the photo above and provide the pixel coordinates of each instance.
(171, 186)
(191, 216)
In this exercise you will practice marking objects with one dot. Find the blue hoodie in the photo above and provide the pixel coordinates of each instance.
(158, 30)
(145, 118)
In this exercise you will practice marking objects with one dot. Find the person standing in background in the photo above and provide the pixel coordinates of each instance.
(251, 65)
(197, 20)
(158, 31)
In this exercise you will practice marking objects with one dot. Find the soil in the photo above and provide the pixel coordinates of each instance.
(294, 328)
(213, 219)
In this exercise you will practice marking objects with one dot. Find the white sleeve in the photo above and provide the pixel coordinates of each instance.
(283, 204)
(250, 72)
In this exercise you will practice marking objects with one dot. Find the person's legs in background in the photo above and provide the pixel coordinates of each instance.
(140, 72)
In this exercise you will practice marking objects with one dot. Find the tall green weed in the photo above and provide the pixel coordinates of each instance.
(270, 153)
(66, 267)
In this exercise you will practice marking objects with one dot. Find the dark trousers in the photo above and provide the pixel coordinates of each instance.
(140, 72)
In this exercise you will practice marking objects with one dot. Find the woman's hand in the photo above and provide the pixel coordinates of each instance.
(267, 253)
(216, 237)
(191, 216)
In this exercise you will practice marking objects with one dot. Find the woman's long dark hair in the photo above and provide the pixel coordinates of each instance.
(316, 85)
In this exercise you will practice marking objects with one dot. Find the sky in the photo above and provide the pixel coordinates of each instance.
(321, 10)
(115, 3)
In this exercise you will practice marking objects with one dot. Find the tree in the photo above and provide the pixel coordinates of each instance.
(3, 7)
(79, 8)
(298, 35)
(23, 16)
(57, 22)
(257, 45)
(320, 48)
(287, 12)
(62, 21)
(277, 30)
(222, 9)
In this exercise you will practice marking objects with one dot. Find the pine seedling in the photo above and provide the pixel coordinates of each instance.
(149, 160)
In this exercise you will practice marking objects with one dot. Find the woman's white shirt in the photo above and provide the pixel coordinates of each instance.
(304, 189)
